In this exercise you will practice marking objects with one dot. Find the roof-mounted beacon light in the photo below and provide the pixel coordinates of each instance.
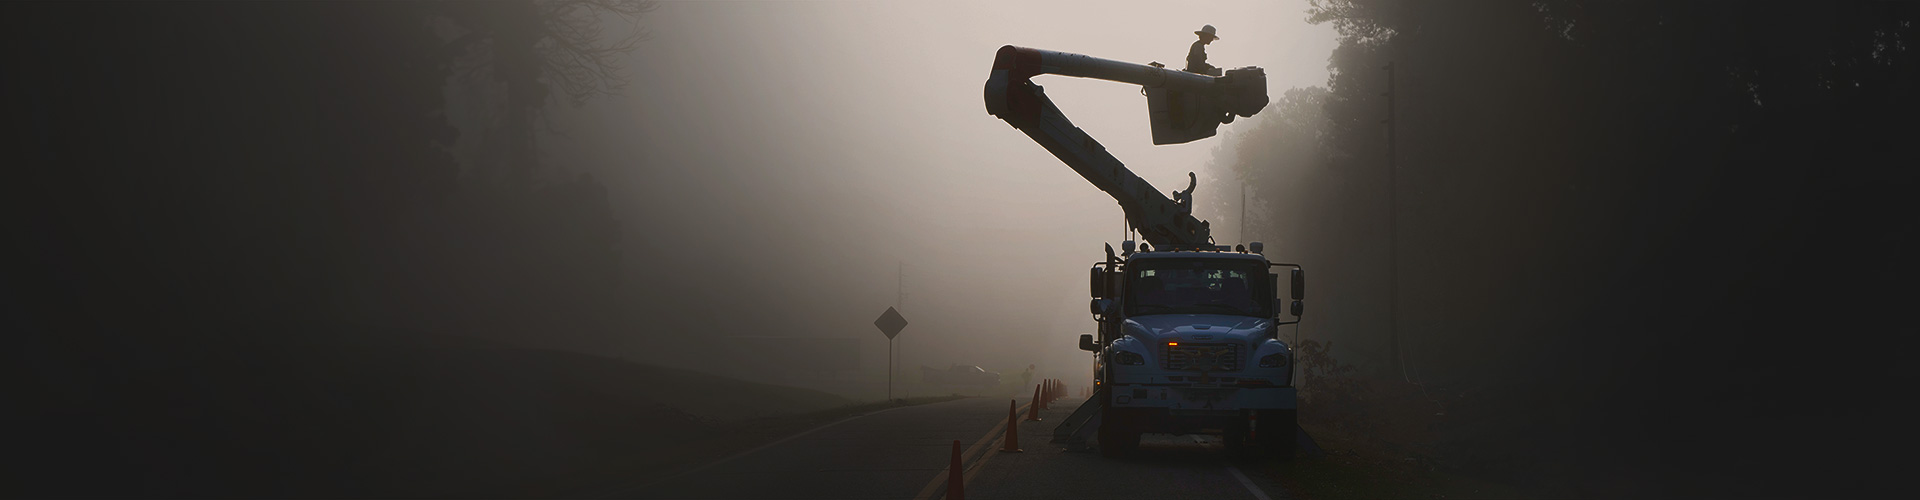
(1254, 247)
(1126, 247)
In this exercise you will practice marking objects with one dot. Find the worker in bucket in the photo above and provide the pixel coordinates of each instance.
(1197, 56)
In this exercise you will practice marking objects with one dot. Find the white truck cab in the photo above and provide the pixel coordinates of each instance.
(1190, 343)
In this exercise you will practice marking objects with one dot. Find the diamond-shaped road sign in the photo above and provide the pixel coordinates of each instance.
(890, 323)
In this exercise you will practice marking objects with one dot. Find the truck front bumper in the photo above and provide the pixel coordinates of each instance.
(1201, 399)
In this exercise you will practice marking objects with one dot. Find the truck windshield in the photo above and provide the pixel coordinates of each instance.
(1198, 286)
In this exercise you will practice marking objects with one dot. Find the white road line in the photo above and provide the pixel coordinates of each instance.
(1244, 481)
(624, 490)
(968, 470)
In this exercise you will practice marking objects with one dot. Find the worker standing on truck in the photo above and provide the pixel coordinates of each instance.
(1197, 56)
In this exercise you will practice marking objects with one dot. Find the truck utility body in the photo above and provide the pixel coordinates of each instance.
(1188, 335)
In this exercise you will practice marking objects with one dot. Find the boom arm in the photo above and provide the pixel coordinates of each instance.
(1182, 106)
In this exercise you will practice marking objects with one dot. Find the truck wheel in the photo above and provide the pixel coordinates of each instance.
(1117, 437)
(1278, 433)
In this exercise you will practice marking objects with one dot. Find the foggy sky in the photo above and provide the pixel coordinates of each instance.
(812, 147)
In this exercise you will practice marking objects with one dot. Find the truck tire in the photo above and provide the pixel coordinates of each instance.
(1278, 433)
(1117, 435)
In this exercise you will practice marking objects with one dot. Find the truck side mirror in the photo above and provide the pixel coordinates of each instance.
(1296, 308)
(1099, 306)
(1086, 343)
(1097, 282)
(1299, 284)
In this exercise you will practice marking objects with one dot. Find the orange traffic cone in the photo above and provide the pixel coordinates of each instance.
(1040, 395)
(1033, 410)
(1013, 431)
(956, 481)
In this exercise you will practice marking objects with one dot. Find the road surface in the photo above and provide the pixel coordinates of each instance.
(903, 453)
(1165, 467)
(885, 454)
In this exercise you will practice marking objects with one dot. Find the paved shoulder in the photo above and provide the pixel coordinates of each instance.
(886, 454)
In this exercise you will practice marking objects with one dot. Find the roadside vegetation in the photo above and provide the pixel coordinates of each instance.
(328, 419)
(1382, 438)
(1555, 238)
(1353, 468)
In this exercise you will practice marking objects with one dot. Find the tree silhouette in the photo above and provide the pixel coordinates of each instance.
(1614, 200)
(238, 228)
(530, 46)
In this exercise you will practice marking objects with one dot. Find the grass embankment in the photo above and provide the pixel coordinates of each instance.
(1357, 467)
(1390, 439)
(547, 423)
(722, 440)
(384, 421)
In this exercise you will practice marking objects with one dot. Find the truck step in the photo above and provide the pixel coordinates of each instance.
(1077, 431)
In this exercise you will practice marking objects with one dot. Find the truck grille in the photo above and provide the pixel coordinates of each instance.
(1202, 357)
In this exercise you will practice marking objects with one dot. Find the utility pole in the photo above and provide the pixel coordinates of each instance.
(1393, 235)
(1243, 214)
(899, 299)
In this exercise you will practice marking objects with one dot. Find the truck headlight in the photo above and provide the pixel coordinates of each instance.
(1274, 360)
(1128, 358)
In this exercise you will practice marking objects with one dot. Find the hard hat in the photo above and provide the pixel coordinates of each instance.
(1206, 31)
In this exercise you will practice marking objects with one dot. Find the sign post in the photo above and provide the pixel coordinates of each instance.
(890, 324)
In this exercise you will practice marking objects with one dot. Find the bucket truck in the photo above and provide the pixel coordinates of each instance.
(1188, 330)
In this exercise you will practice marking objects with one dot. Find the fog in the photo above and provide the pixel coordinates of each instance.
(802, 152)
(507, 249)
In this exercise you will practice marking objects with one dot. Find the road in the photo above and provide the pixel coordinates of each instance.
(903, 453)
(1165, 467)
(886, 454)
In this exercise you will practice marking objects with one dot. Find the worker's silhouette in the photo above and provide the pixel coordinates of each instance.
(1184, 199)
(1197, 56)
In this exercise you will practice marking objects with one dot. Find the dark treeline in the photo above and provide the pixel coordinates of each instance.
(1665, 248)
(228, 223)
